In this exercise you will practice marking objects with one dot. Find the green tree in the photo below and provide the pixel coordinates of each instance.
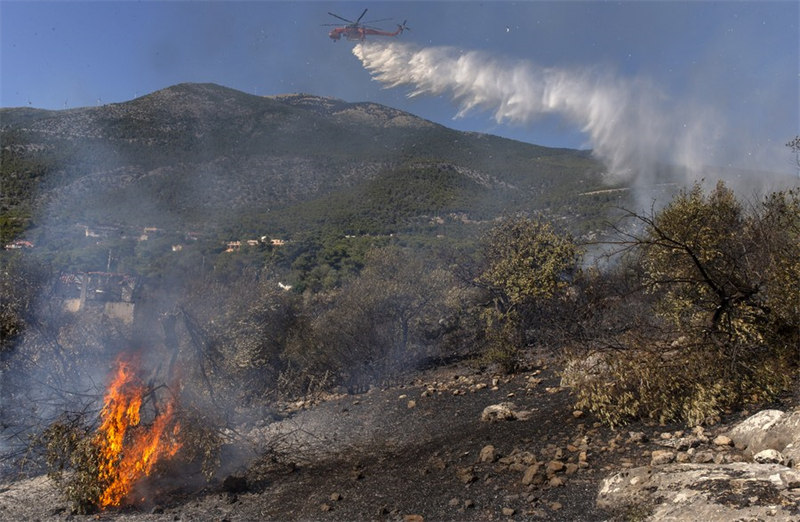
(724, 282)
(526, 265)
(722, 270)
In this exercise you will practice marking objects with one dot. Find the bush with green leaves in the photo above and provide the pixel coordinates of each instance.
(526, 265)
(723, 326)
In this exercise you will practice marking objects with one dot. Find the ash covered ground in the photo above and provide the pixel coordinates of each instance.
(422, 450)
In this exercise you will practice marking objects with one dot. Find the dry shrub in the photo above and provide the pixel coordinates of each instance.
(503, 347)
(691, 384)
(73, 454)
(73, 462)
(201, 439)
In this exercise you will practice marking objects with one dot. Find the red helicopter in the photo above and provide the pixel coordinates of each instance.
(356, 31)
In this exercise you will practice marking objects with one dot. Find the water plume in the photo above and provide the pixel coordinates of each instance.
(631, 125)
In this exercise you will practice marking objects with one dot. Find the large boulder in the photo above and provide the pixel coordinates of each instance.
(712, 493)
(769, 430)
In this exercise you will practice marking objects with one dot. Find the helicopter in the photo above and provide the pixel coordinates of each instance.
(355, 31)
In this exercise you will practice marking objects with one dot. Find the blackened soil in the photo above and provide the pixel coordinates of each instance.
(410, 452)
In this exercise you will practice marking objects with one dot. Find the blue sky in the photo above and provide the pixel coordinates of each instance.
(739, 58)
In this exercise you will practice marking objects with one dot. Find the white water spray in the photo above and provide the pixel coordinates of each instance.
(631, 125)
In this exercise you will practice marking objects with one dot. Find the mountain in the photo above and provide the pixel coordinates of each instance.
(193, 156)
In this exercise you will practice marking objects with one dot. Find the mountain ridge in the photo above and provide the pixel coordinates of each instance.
(191, 154)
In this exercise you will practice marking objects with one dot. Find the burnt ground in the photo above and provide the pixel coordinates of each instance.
(413, 450)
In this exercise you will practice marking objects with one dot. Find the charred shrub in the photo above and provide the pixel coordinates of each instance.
(376, 326)
(201, 439)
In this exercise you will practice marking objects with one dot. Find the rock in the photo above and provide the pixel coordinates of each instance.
(722, 440)
(768, 456)
(531, 475)
(413, 518)
(638, 437)
(509, 512)
(703, 457)
(454, 502)
(488, 454)
(499, 412)
(577, 414)
(554, 466)
(769, 430)
(712, 493)
(555, 482)
(682, 443)
(661, 457)
(752, 433)
(336, 497)
(412, 404)
(466, 475)
(792, 454)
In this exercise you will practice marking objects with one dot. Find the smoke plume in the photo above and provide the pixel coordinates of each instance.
(631, 125)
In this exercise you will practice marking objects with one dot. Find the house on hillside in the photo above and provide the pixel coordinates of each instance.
(149, 231)
(99, 231)
(18, 244)
(272, 241)
(108, 293)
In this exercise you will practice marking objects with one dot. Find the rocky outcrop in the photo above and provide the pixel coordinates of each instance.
(708, 492)
(770, 430)
(707, 483)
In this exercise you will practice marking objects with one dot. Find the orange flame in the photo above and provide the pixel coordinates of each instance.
(128, 451)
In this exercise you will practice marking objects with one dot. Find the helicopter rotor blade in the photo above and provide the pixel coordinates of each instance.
(342, 18)
(362, 16)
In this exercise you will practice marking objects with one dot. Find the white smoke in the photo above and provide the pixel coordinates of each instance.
(631, 125)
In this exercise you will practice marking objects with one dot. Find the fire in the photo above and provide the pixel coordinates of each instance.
(128, 450)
